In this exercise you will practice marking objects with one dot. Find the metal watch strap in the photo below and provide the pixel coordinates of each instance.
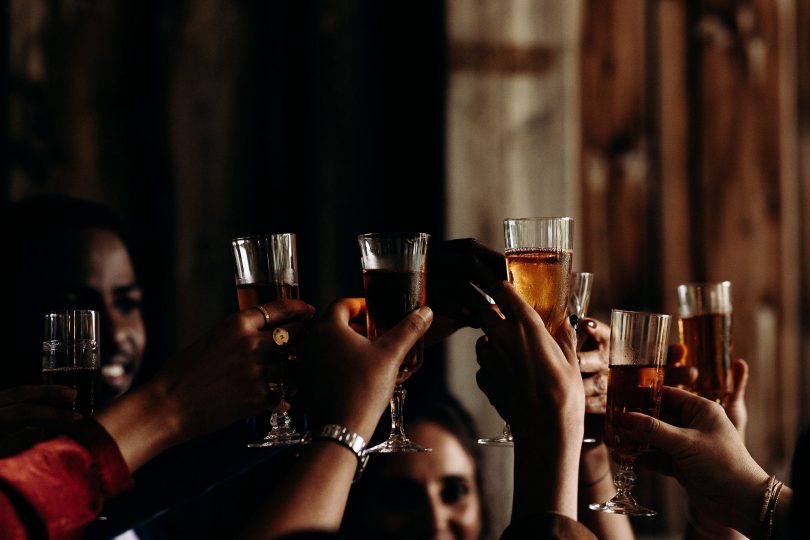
(350, 440)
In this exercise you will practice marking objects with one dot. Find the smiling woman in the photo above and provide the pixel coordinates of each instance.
(67, 253)
(423, 495)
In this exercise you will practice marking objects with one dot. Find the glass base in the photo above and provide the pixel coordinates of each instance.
(498, 441)
(397, 443)
(278, 437)
(626, 507)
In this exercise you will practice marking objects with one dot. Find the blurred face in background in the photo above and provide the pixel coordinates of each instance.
(426, 495)
(91, 269)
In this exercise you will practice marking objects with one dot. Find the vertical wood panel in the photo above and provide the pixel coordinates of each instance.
(803, 103)
(615, 156)
(511, 151)
(744, 181)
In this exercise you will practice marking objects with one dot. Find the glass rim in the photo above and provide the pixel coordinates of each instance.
(722, 283)
(66, 311)
(394, 234)
(647, 313)
(582, 273)
(539, 218)
(260, 236)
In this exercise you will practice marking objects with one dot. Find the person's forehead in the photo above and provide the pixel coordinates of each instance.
(448, 457)
(91, 257)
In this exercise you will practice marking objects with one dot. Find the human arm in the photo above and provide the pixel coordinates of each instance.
(349, 381)
(215, 381)
(701, 522)
(696, 442)
(535, 385)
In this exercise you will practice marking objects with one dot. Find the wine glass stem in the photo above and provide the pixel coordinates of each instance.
(397, 408)
(624, 480)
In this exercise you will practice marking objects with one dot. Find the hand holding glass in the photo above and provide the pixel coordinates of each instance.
(638, 348)
(539, 252)
(267, 270)
(394, 267)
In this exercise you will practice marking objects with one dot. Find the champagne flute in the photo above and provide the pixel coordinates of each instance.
(267, 270)
(71, 356)
(638, 349)
(705, 331)
(539, 253)
(578, 301)
(394, 280)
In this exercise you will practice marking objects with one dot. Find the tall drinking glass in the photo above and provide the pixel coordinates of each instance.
(267, 270)
(705, 331)
(539, 253)
(71, 356)
(578, 300)
(638, 349)
(394, 279)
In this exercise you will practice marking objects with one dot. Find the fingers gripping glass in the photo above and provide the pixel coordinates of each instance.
(266, 271)
(638, 348)
(539, 252)
(394, 280)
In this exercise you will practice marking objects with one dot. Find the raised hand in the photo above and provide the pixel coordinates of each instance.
(696, 442)
(347, 378)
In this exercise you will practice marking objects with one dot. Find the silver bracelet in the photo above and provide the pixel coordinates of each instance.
(349, 439)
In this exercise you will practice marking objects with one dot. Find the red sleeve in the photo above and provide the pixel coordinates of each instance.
(60, 485)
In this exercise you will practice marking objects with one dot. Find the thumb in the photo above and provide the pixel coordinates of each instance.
(654, 431)
(397, 341)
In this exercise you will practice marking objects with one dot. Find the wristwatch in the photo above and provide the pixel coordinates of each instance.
(344, 437)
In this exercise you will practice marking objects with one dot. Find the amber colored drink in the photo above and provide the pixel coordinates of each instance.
(542, 278)
(707, 338)
(251, 294)
(390, 295)
(631, 388)
(81, 379)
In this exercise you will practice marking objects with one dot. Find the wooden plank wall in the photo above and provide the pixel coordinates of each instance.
(690, 171)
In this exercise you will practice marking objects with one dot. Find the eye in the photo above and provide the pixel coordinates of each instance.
(454, 490)
(129, 302)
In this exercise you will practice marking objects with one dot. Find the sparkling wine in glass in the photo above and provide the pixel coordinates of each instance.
(539, 254)
(71, 355)
(705, 332)
(266, 271)
(638, 348)
(394, 280)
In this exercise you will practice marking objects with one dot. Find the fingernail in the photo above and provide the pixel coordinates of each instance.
(590, 323)
(574, 320)
(425, 313)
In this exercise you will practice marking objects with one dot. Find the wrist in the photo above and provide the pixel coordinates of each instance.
(594, 464)
(141, 425)
(748, 512)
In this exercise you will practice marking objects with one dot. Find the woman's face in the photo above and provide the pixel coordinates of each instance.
(426, 495)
